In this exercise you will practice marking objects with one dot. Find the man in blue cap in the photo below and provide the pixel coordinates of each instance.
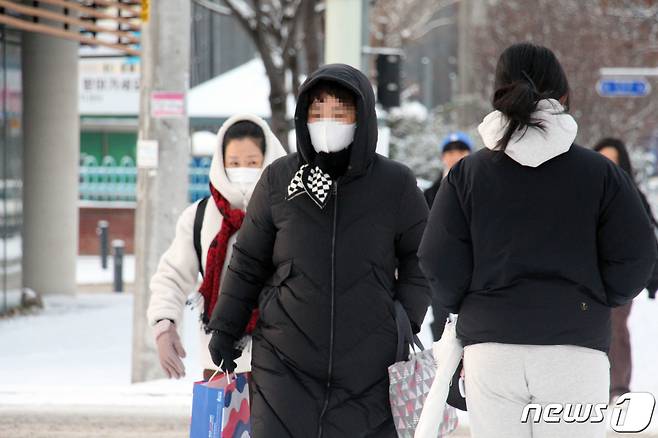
(454, 147)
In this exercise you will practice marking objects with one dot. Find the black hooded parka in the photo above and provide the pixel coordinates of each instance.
(325, 281)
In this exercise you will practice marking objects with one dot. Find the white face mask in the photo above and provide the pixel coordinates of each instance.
(243, 175)
(329, 135)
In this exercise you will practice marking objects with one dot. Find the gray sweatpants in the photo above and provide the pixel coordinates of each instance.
(501, 379)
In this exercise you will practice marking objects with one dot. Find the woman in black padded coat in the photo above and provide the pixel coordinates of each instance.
(325, 231)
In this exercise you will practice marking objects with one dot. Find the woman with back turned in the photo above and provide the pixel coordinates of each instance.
(532, 240)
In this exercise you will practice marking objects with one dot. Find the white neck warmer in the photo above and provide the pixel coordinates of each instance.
(534, 147)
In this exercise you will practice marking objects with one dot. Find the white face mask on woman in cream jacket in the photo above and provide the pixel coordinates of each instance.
(178, 271)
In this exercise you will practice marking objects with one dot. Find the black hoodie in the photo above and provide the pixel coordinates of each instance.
(324, 280)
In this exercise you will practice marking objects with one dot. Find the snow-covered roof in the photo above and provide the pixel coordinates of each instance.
(245, 89)
(204, 144)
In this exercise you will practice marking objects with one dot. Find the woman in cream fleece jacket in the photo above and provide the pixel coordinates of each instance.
(249, 146)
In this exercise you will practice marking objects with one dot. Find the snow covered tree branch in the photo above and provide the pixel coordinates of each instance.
(273, 26)
(398, 22)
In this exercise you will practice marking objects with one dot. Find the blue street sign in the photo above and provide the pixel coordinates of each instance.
(623, 87)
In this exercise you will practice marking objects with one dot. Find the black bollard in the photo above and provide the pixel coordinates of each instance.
(118, 248)
(103, 232)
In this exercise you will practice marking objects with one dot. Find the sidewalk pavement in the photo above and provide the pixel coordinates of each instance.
(126, 422)
(95, 422)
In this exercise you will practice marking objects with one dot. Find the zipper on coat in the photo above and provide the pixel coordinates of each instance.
(333, 299)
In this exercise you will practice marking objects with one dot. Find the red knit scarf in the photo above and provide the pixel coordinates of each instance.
(232, 221)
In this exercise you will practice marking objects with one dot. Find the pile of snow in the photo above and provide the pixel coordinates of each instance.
(204, 144)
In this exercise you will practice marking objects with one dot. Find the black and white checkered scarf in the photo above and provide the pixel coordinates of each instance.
(313, 181)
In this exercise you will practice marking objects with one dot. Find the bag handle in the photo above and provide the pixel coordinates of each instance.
(406, 336)
(219, 368)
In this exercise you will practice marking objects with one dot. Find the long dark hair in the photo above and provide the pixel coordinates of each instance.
(242, 129)
(525, 74)
(625, 163)
(622, 152)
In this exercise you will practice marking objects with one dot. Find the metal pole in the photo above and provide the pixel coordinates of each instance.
(102, 230)
(343, 32)
(365, 37)
(464, 66)
(163, 157)
(118, 250)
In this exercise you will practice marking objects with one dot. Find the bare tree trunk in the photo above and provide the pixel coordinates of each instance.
(278, 96)
(293, 62)
(279, 122)
(312, 38)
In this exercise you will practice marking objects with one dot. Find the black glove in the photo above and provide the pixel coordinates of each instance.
(223, 351)
(652, 287)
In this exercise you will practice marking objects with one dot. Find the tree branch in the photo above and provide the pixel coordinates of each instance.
(397, 26)
(431, 26)
(292, 31)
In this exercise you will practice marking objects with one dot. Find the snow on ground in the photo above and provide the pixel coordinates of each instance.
(644, 338)
(78, 351)
(89, 270)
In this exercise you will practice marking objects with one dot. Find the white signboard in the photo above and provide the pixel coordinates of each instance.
(108, 86)
(147, 154)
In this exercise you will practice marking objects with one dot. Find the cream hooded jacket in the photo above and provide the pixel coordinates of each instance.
(177, 274)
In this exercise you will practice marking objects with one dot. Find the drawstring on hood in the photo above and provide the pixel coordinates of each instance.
(533, 147)
(239, 193)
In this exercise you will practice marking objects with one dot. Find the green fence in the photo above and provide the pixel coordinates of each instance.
(110, 180)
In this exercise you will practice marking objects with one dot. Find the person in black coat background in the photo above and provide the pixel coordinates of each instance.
(621, 364)
(533, 240)
(454, 147)
(325, 232)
